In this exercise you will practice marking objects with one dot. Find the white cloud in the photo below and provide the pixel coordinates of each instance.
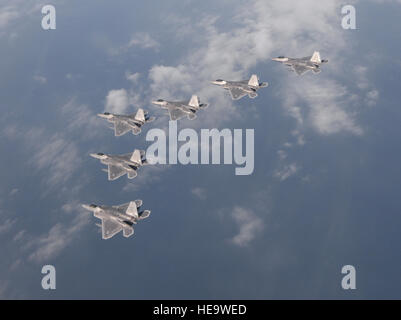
(286, 171)
(13, 192)
(260, 32)
(117, 101)
(40, 79)
(143, 41)
(133, 77)
(146, 177)
(20, 235)
(6, 226)
(327, 105)
(250, 225)
(365, 85)
(7, 14)
(200, 193)
(58, 158)
(60, 236)
(372, 97)
(70, 76)
(80, 117)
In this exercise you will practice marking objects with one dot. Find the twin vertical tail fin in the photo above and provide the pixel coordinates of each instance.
(254, 81)
(140, 115)
(316, 57)
(132, 210)
(136, 157)
(194, 102)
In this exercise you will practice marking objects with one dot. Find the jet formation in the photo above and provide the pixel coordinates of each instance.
(180, 109)
(122, 218)
(125, 123)
(117, 218)
(302, 65)
(239, 89)
(119, 165)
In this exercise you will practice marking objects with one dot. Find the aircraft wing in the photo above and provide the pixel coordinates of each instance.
(300, 70)
(237, 93)
(121, 128)
(110, 228)
(115, 172)
(176, 114)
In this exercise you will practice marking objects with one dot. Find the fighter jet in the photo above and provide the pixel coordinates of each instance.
(239, 89)
(119, 165)
(126, 123)
(302, 65)
(117, 218)
(180, 109)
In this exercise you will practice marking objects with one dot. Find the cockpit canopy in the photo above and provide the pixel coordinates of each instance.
(100, 154)
(106, 113)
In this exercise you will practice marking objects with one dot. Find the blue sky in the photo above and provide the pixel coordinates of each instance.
(325, 190)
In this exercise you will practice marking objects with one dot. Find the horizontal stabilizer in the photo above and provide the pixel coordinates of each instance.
(191, 116)
(132, 174)
(128, 232)
(136, 130)
(145, 214)
(316, 71)
(151, 119)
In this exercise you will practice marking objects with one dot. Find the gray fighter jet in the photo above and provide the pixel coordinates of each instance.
(303, 65)
(239, 89)
(126, 123)
(119, 165)
(180, 109)
(117, 218)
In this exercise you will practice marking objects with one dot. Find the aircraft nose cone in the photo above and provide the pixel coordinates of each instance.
(87, 207)
(96, 155)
